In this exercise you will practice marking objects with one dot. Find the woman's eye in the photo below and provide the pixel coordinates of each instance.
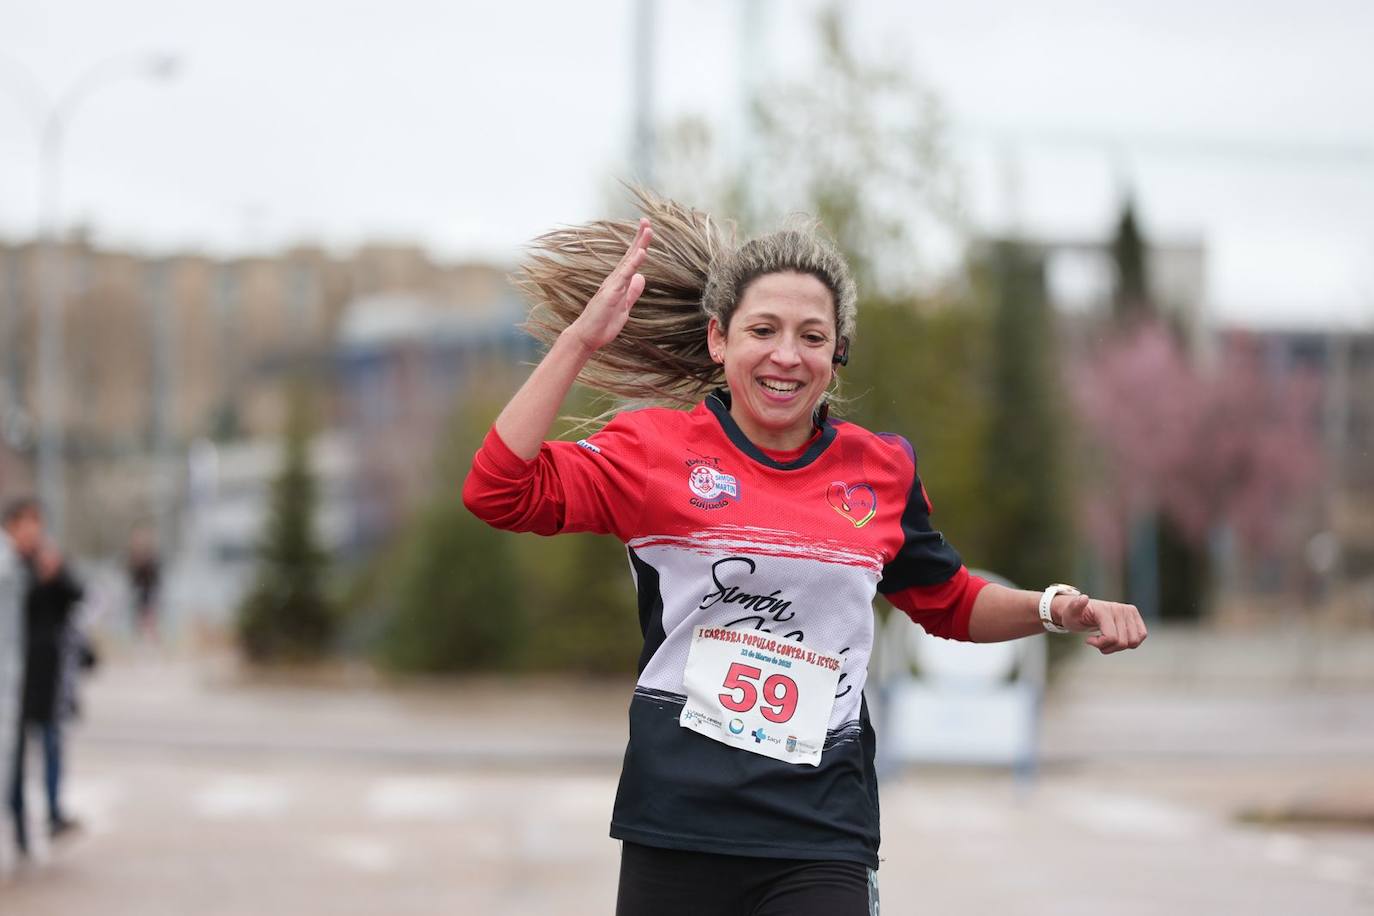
(761, 332)
(815, 339)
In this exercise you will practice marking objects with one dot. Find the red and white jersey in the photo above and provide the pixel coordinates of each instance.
(724, 534)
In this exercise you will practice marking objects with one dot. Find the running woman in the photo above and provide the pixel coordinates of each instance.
(758, 529)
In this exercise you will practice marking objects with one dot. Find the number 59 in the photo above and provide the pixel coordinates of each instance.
(779, 693)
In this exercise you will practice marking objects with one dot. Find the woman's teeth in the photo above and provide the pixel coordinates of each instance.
(780, 387)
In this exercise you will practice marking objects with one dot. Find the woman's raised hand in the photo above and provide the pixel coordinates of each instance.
(529, 416)
(607, 311)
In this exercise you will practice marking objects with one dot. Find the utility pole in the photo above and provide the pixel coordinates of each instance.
(752, 53)
(642, 81)
(162, 311)
(52, 121)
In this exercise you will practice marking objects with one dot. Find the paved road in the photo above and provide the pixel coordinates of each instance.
(204, 795)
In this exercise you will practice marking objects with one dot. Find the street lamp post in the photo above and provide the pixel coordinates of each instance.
(52, 121)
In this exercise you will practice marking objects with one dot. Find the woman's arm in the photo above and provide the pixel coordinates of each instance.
(518, 482)
(1001, 613)
(526, 420)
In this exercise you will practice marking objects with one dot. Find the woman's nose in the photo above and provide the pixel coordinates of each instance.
(786, 352)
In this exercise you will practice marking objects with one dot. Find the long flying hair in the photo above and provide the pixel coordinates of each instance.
(694, 272)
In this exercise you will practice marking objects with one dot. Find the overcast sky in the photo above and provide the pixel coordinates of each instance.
(470, 127)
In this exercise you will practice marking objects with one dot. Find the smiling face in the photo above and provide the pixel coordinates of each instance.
(777, 354)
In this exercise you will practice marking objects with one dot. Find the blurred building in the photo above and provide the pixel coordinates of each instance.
(401, 366)
(1082, 278)
(1337, 522)
(224, 515)
(14, 473)
(405, 365)
(1343, 361)
(163, 350)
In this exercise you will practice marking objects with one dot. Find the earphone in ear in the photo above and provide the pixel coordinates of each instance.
(841, 357)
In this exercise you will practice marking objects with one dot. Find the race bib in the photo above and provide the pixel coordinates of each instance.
(760, 694)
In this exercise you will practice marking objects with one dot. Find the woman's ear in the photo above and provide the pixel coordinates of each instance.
(715, 340)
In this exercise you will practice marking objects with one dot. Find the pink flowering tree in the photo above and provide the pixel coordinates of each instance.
(1233, 447)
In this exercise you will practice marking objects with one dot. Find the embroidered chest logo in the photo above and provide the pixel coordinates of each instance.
(857, 503)
(711, 487)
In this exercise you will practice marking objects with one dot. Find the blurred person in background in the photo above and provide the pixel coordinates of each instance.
(144, 577)
(14, 534)
(79, 656)
(759, 529)
(51, 596)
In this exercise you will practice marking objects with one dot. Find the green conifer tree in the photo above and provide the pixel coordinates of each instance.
(449, 593)
(582, 601)
(454, 600)
(286, 616)
(1178, 580)
(1132, 300)
(1030, 533)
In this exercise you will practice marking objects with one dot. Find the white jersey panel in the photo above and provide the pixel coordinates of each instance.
(819, 594)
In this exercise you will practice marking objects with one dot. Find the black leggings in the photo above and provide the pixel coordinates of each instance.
(670, 882)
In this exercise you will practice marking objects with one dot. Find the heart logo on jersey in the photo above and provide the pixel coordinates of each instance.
(857, 503)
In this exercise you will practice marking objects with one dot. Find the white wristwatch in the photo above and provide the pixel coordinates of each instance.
(1046, 597)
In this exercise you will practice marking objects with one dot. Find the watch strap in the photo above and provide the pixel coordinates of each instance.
(1046, 597)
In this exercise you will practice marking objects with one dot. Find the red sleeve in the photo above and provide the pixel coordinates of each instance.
(595, 484)
(944, 609)
(926, 577)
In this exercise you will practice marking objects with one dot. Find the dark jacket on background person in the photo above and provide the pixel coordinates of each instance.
(13, 587)
(48, 611)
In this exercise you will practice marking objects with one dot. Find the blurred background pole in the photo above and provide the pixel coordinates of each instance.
(642, 79)
(1336, 431)
(53, 122)
(158, 289)
(752, 55)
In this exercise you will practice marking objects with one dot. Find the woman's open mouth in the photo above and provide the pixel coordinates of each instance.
(780, 386)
